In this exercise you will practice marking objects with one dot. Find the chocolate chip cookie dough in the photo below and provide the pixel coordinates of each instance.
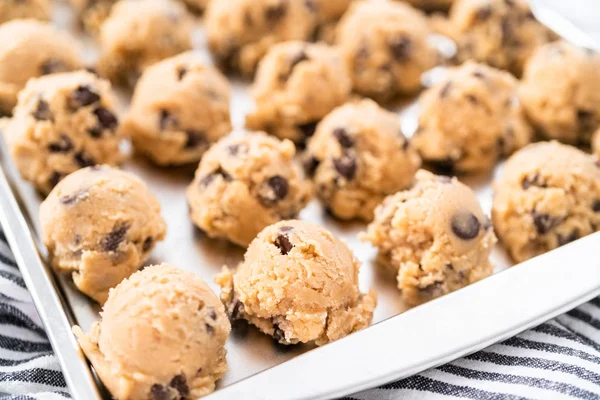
(63, 122)
(244, 184)
(92, 13)
(501, 33)
(240, 32)
(548, 195)
(21, 9)
(299, 284)
(470, 119)
(434, 236)
(385, 47)
(297, 84)
(28, 49)
(139, 33)
(357, 157)
(180, 107)
(560, 91)
(100, 224)
(329, 13)
(161, 337)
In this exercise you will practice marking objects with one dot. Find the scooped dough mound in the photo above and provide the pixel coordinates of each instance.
(547, 196)
(298, 283)
(434, 236)
(21, 9)
(161, 337)
(101, 224)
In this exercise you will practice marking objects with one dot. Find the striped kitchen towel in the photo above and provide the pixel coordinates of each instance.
(558, 359)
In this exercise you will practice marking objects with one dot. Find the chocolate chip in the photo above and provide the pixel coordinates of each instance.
(106, 118)
(465, 225)
(311, 6)
(159, 392)
(166, 121)
(571, 237)
(54, 178)
(274, 13)
(83, 160)
(345, 166)
(237, 311)
(445, 90)
(308, 129)
(483, 12)
(432, 289)
(478, 74)
(71, 198)
(63, 145)
(52, 66)
(213, 315)
(194, 139)
(310, 166)
(42, 111)
(181, 71)
(472, 99)
(278, 333)
(148, 242)
(343, 138)
(286, 228)
(297, 59)
(83, 96)
(235, 149)
(112, 241)
(210, 177)
(401, 48)
(209, 328)
(532, 180)
(543, 222)
(179, 383)
(273, 190)
(282, 242)
(596, 206)
(586, 120)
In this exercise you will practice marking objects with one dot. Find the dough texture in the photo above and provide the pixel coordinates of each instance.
(434, 236)
(100, 223)
(470, 119)
(61, 123)
(298, 283)
(240, 32)
(501, 33)
(244, 184)
(22, 9)
(384, 44)
(357, 157)
(29, 49)
(92, 13)
(161, 337)
(297, 84)
(139, 33)
(179, 108)
(560, 91)
(548, 195)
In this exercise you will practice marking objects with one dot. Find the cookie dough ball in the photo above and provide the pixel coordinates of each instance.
(548, 195)
(29, 49)
(63, 122)
(470, 119)
(431, 5)
(357, 157)
(100, 223)
(20, 9)
(240, 32)
(297, 84)
(179, 108)
(299, 284)
(92, 13)
(161, 337)
(560, 91)
(501, 33)
(434, 236)
(138, 33)
(244, 184)
(384, 45)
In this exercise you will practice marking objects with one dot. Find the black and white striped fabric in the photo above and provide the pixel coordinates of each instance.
(559, 359)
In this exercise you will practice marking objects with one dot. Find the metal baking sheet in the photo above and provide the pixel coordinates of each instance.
(249, 351)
